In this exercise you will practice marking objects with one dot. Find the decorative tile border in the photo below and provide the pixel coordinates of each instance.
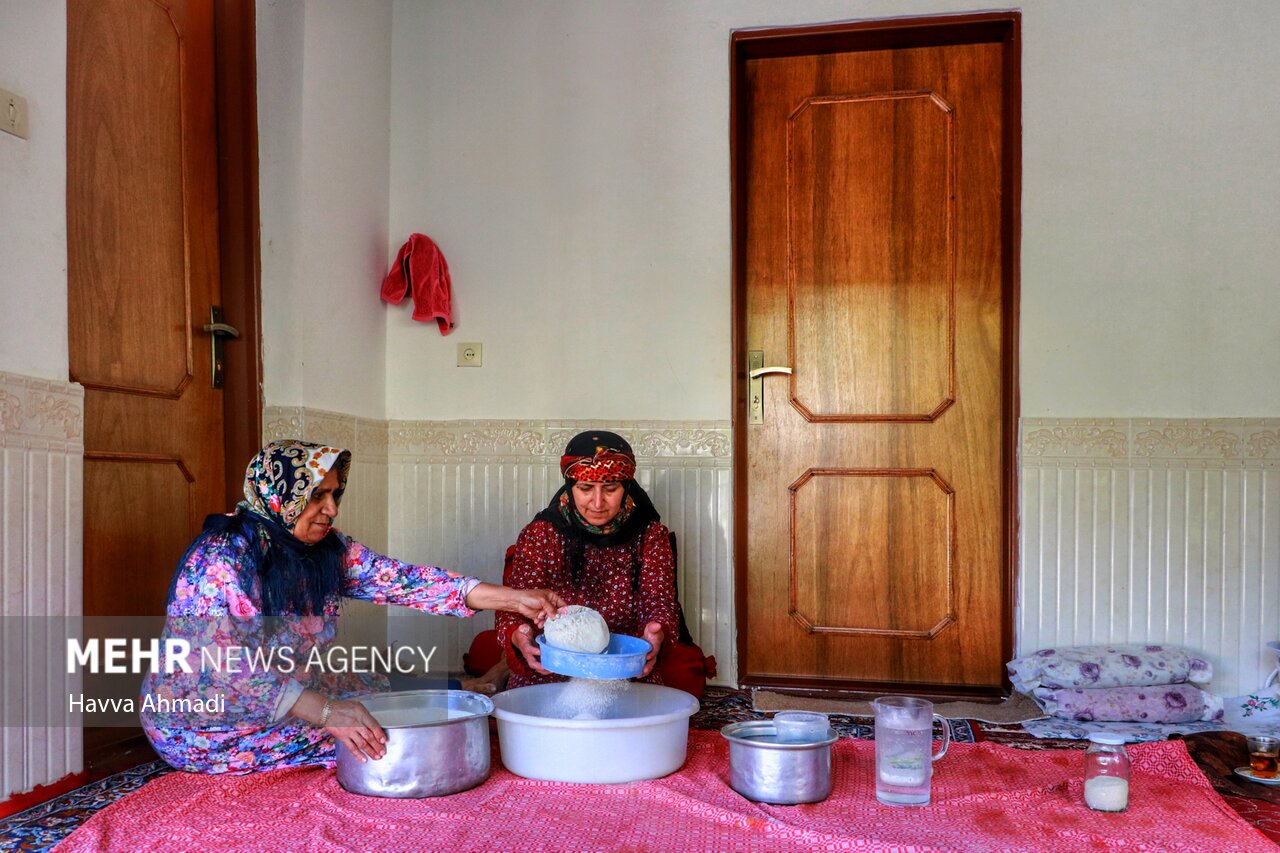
(1078, 437)
(365, 437)
(1195, 439)
(544, 440)
(1263, 443)
(1151, 439)
(38, 408)
(1132, 439)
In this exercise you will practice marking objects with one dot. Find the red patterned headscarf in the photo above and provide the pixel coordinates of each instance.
(599, 456)
(602, 457)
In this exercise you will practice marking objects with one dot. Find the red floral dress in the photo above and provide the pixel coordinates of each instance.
(607, 586)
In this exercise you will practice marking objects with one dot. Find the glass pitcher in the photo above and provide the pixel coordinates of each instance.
(904, 749)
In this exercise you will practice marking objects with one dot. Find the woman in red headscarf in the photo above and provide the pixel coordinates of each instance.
(598, 543)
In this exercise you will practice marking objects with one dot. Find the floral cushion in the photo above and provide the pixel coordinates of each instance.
(1162, 703)
(1117, 665)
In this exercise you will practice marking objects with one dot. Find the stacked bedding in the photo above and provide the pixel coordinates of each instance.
(1130, 682)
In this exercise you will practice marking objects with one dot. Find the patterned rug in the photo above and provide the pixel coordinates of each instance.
(1017, 708)
(41, 827)
(724, 705)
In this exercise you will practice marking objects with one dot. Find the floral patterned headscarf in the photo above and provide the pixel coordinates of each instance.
(295, 579)
(281, 477)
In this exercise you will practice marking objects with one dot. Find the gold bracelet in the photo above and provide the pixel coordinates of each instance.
(325, 712)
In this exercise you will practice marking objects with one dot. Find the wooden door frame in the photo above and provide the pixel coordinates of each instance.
(236, 81)
(892, 33)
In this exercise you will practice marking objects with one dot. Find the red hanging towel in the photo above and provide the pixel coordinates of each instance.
(420, 267)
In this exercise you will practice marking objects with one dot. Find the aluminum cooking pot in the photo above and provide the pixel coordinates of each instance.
(437, 744)
(766, 771)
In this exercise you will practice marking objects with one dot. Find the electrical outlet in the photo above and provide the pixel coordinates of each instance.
(470, 355)
(13, 113)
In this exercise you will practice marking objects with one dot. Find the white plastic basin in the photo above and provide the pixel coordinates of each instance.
(642, 734)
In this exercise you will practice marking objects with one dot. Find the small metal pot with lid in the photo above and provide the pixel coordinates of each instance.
(766, 770)
(437, 744)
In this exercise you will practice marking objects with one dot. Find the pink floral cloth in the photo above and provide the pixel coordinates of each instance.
(985, 798)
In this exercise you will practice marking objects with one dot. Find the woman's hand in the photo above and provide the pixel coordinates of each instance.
(522, 639)
(348, 721)
(536, 604)
(351, 723)
(654, 635)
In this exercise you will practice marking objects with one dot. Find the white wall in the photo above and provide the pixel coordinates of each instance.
(324, 82)
(324, 90)
(33, 192)
(40, 421)
(1151, 193)
(572, 160)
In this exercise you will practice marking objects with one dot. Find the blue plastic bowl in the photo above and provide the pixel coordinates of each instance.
(623, 658)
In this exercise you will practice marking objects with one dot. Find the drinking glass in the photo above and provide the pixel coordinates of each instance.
(801, 726)
(904, 749)
(1263, 752)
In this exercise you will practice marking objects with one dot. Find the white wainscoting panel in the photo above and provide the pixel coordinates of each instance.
(461, 491)
(1131, 529)
(1163, 531)
(41, 575)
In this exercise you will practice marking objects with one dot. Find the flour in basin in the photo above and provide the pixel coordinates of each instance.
(578, 629)
(590, 699)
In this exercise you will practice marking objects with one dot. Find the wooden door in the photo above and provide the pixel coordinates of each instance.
(875, 235)
(143, 272)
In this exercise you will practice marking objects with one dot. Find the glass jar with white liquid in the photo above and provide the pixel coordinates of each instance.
(1106, 773)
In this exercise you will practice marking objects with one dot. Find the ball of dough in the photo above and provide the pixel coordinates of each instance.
(578, 629)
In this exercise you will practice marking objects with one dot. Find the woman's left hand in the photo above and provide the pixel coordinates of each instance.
(350, 722)
(346, 720)
(654, 635)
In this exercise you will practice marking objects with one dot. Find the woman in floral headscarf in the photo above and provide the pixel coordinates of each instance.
(256, 598)
(598, 543)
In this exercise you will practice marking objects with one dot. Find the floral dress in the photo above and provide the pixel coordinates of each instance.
(247, 674)
(608, 585)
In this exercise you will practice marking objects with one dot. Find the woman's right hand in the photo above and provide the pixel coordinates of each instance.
(536, 604)
(522, 639)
